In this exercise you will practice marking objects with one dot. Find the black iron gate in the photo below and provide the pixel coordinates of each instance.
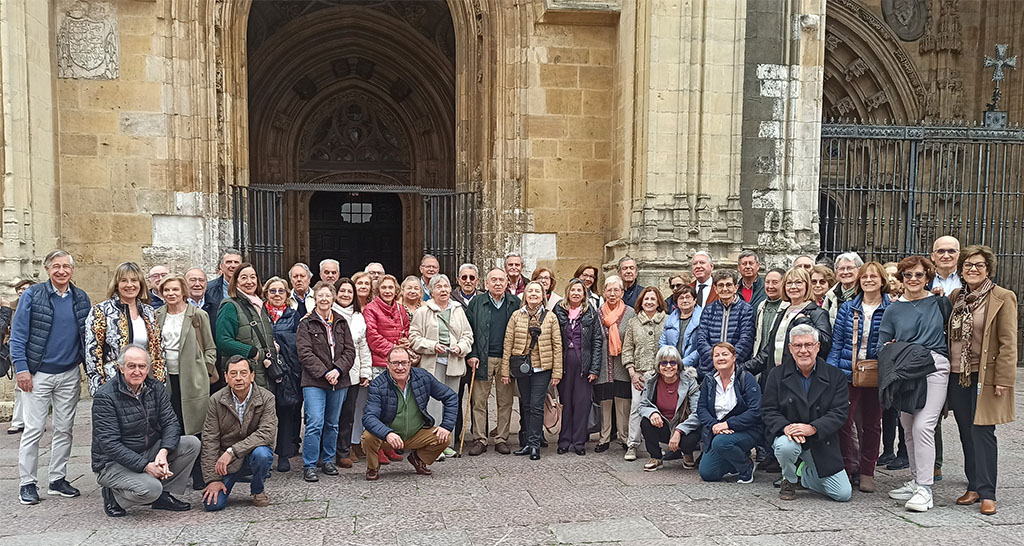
(259, 227)
(449, 228)
(889, 191)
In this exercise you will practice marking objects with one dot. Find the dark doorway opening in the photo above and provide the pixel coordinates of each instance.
(355, 229)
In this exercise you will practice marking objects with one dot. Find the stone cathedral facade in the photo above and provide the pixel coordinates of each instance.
(583, 130)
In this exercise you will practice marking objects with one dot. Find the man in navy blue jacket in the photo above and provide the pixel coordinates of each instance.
(396, 413)
(728, 318)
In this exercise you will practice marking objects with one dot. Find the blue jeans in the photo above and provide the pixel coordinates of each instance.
(322, 408)
(727, 454)
(259, 462)
(836, 487)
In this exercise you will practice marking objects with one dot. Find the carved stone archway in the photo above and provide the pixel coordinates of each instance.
(868, 75)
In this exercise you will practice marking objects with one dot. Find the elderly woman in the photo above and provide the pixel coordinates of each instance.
(546, 278)
(581, 361)
(847, 266)
(822, 278)
(801, 310)
(668, 409)
(190, 359)
(441, 333)
(288, 400)
(612, 387)
(589, 275)
(983, 365)
(364, 287)
(532, 331)
(681, 325)
(411, 298)
(350, 423)
(855, 338)
(326, 353)
(638, 351)
(730, 417)
(124, 318)
(244, 327)
(919, 317)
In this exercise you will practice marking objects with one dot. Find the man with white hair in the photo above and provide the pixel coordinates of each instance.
(701, 266)
(330, 270)
(467, 281)
(376, 272)
(628, 272)
(156, 274)
(300, 276)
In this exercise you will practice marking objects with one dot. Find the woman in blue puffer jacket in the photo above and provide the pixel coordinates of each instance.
(866, 310)
(687, 313)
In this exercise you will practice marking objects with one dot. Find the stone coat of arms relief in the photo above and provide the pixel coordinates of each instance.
(88, 46)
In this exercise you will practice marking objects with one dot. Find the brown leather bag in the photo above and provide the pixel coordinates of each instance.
(865, 372)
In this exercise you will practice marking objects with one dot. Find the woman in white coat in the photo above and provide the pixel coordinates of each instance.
(441, 334)
(350, 424)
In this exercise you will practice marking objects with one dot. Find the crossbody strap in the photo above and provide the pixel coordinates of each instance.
(856, 334)
(255, 327)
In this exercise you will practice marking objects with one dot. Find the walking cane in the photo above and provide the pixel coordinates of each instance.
(462, 440)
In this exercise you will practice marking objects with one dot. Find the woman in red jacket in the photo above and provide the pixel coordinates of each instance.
(387, 325)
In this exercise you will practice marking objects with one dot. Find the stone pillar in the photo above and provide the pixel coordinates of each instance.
(31, 207)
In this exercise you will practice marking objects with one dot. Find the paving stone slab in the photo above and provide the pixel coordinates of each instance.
(608, 530)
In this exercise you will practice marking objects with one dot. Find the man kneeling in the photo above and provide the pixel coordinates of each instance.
(396, 413)
(138, 453)
(806, 427)
(238, 436)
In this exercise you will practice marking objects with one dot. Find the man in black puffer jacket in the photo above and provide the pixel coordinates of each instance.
(138, 453)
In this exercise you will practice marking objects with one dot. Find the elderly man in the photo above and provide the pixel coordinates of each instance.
(376, 272)
(138, 453)
(195, 279)
(468, 275)
(300, 275)
(217, 290)
(238, 437)
(156, 274)
(628, 273)
(396, 413)
(330, 270)
(726, 319)
(47, 349)
(488, 316)
(751, 283)
(804, 262)
(805, 404)
(945, 256)
(701, 266)
(429, 267)
(516, 279)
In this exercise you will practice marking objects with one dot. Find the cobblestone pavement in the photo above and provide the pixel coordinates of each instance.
(501, 499)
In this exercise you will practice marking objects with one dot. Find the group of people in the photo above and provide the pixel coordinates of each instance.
(809, 372)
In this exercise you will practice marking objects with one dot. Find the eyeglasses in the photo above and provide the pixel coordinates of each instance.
(277, 291)
(949, 251)
(795, 283)
(976, 266)
(468, 277)
(913, 274)
(725, 285)
(803, 346)
(400, 363)
(668, 364)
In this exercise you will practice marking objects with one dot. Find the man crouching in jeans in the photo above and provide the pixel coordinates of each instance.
(396, 413)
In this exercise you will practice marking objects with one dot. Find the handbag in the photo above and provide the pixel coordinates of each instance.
(865, 372)
(552, 412)
(521, 366)
(276, 369)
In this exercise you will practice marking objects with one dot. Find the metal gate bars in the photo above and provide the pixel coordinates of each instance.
(257, 218)
(449, 226)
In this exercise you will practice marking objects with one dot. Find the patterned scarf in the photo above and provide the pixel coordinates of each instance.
(275, 312)
(962, 324)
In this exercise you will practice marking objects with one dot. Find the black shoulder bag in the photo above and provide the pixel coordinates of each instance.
(521, 366)
(276, 370)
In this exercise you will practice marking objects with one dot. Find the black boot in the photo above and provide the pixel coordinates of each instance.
(110, 505)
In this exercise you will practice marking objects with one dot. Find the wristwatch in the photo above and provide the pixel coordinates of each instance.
(230, 451)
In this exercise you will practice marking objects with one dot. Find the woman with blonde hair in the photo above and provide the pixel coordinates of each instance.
(124, 318)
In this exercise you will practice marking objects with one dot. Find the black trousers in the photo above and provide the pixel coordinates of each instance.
(979, 442)
(890, 425)
(289, 423)
(347, 421)
(532, 392)
(655, 436)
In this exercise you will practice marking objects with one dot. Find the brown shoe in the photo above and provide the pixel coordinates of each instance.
(968, 498)
(357, 452)
(688, 462)
(478, 448)
(787, 490)
(937, 475)
(988, 507)
(260, 500)
(502, 448)
(345, 462)
(419, 465)
(372, 474)
(867, 484)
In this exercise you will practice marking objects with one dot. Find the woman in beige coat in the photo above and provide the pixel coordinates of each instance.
(983, 369)
(440, 333)
(638, 350)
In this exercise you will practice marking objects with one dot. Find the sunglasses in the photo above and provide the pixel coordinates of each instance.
(277, 291)
(468, 277)
(668, 364)
(914, 274)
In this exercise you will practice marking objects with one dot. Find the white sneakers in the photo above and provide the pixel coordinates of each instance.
(630, 454)
(918, 498)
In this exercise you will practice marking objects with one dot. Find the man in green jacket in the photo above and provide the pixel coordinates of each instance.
(488, 316)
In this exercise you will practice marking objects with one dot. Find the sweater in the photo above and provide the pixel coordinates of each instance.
(33, 349)
(922, 322)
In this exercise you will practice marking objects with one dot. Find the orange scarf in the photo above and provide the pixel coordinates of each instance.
(610, 318)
